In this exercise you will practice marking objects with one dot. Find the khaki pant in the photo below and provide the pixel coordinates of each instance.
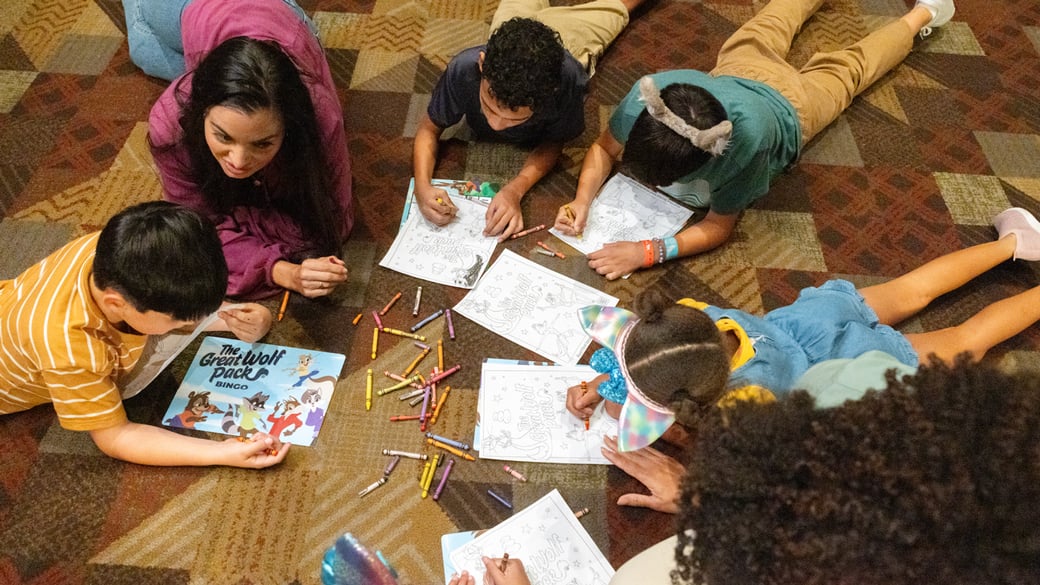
(585, 29)
(822, 89)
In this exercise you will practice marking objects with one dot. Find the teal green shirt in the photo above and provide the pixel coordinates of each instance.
(766, 137)
(835, 381)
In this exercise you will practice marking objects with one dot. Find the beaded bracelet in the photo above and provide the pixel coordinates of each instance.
(659, 247)
(648, 253)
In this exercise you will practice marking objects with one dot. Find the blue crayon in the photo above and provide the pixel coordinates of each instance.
(452, 442)
(420, 324)
(500, 499)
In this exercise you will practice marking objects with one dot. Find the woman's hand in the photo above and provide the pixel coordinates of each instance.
(661, 474)
(571, 218)
(312, 278)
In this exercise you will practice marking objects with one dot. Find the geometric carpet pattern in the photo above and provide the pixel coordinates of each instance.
(915, 168)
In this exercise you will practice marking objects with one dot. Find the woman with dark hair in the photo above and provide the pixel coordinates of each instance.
(251, 135)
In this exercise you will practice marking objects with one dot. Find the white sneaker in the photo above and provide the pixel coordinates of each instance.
(942, 11)
(1026, 228)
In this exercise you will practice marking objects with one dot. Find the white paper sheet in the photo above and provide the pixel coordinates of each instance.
(524, 416)
(626, 211)
(553, 545)
(454, 255)
(533, 306)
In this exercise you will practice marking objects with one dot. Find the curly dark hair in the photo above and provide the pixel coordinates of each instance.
(676, 357)
(654, 153)
(522, 64)
(935, 479)
(248, 75)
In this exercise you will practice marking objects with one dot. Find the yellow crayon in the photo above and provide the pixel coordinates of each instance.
(440, 402)
(415, 362)
(440, 354)
(368, 390)
(450, 449)
(429, 476)
(425, 471)
(375, 341)
(400, 333)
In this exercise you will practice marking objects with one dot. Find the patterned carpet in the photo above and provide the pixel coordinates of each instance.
(917, 167)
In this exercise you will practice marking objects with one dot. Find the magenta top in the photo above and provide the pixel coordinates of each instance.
(254, 238)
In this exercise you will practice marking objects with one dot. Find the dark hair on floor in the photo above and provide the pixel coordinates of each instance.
(654, 153)
(934, 480)
(675, 356)
(248, 75)
(162, 257)
(522, 64)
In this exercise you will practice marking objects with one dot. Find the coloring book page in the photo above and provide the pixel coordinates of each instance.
(626, 211)
(238, 388)
(533, 306)
(554, 546)
(524, 416)
(454, 255)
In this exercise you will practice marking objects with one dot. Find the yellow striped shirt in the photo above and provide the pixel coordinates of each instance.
(56, 345)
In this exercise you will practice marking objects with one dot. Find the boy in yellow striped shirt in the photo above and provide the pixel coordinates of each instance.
(76, 329)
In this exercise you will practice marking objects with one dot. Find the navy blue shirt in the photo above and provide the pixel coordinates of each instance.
(458, 94)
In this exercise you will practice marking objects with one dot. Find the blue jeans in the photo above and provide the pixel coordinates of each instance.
(153, 30)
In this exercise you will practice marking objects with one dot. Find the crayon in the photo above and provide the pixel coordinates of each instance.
(379, 322)
(570, 215)
(429, 478)
(451, 324)
(408, 454)
(412, 394)
(417, 400)
(418, 299)
(433, 388)
(375, 341)
(394, 376)
(544, 252)
(390, 466)
(446, 441)
(450, 449)
(440, 354)
(357, 319)
(376, 484)
(404, 417)
(581, 512)
(420, 345)
(555, 253)
(500, 499)
(400, 333)
(444, 479)
(415, 362)
(398, 386)
(425, 472)
(540, 226)
(514, 473)
(505, 562)
(444, 374)
(440, 403)
(390, 304)
(422, 323)
(425, 409)
(368, 390)
(285, 304)
(586, 424)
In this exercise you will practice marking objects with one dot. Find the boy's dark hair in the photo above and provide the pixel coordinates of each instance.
(248, 75)
(162, 257)
(654, 153)
(675, 356)
(522, 64)
(936, 479)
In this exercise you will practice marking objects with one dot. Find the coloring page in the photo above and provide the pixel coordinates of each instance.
(524, 416)
(533, 306)
(554, 546)
(455, 254)
(626, 211)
